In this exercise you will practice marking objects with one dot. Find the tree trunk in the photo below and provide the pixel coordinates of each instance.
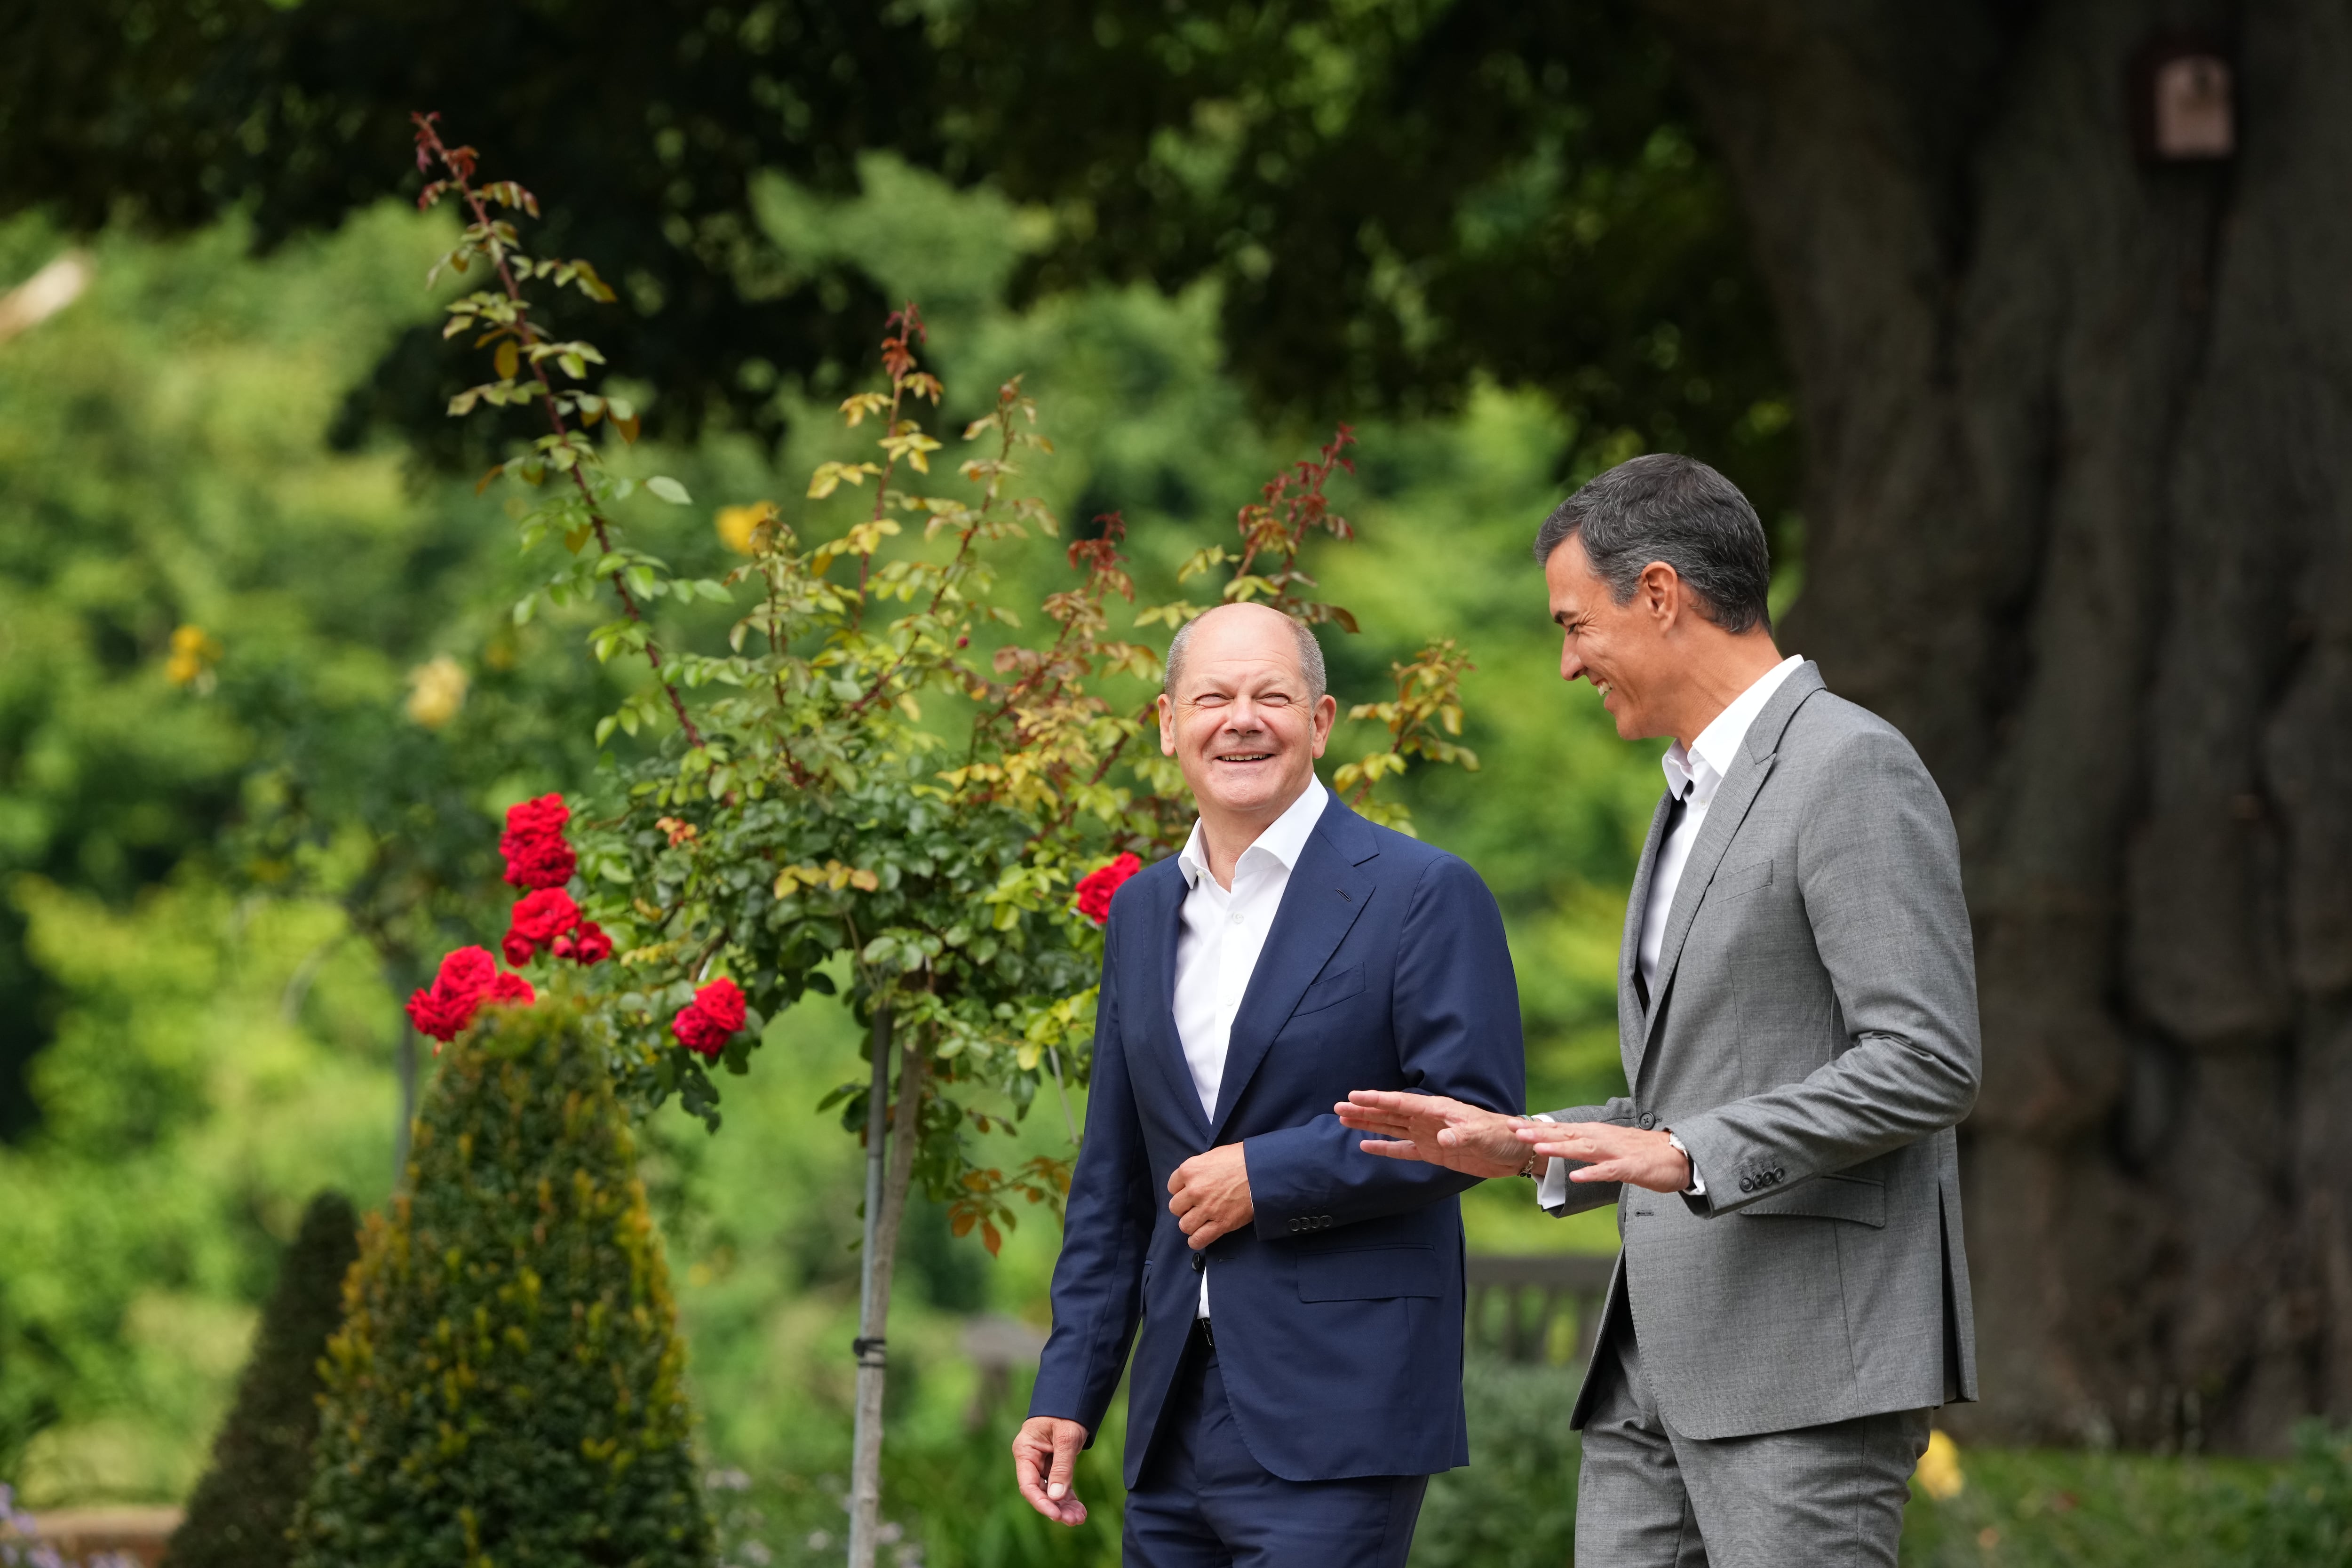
(886, 1182)
(2079, 457)
(406, 1067)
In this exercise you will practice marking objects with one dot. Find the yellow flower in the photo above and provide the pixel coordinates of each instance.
(1939, 1468)
(193, 654)
(436, 690)
(739, 526)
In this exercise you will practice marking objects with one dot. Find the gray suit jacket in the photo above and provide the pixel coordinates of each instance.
(1812, 1040)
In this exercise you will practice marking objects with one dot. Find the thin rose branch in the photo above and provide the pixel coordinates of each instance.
(460, 173)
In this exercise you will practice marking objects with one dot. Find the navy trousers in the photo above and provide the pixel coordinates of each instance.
(1203, 1501)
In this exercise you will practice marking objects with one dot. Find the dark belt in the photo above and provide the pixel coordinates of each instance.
(1202, 1333)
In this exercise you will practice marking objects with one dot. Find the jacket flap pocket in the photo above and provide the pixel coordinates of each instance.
(1370, 1274)
(1331, 990)
(1855, 1198)
(1734, 881)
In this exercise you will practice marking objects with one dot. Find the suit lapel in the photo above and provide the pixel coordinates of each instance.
(1729, 808)
(1161, 1041)
(1326, 894)
(1633, 1021)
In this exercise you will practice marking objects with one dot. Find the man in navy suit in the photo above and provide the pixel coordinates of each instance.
(1297, 1377)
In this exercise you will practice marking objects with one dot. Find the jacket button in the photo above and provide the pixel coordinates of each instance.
(1648, 1121)
(1746, 1184)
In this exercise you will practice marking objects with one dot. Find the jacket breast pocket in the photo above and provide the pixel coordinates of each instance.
(1738, 881)
(1331, 990)
(1370, 1274)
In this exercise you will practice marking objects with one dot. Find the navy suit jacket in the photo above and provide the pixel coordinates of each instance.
(1338, 1312)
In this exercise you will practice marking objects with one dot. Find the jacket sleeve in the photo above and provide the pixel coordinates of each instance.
(1878, 867)
(1561, 1197)
(1454, 1011)
(1098, 1293)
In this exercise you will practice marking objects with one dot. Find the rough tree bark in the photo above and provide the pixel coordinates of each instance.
(2080, 464)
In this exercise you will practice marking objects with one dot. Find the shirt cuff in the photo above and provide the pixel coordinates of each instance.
(1697, 1188)
(1552, 1192)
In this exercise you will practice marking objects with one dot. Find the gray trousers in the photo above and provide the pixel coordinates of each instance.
(1818, 1496)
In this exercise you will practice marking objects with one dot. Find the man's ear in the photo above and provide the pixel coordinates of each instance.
(1168, 726)
(1661, 590)
(1326, 714)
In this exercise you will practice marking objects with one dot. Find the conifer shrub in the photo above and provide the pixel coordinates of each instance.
(261, 1459)
(506, 1390)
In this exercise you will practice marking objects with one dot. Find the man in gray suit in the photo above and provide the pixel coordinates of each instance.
(1796, 1014)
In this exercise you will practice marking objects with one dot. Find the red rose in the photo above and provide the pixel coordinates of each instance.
(438, 1016)
(705, 1025)
(538, 862)
(533, 843)
(721, 1002)
(465, 972)
(538, 818)
(511, 988)
(697, 1033)
(591, 946)
(539, 919)
(1095, 887)
(446, 1006)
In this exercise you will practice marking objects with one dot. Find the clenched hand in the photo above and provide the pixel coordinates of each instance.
(1210, 1195)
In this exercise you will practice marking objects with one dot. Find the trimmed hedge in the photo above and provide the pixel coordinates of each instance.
(261, 1459)
(506, 1391)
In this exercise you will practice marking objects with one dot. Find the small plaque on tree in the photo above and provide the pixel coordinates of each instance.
(2184, 102)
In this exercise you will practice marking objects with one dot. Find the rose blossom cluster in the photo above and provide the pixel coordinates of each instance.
(545, 919)
(1097, 886)
(469, 978)
(540, 859)
(536, 853)
(705, 1025)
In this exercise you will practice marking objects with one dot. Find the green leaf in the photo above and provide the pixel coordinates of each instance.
(669, 489)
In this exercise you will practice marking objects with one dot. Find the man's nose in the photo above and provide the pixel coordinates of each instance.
(1570, 667)
(1242, 715)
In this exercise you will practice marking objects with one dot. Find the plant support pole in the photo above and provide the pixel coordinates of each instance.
(881, 1240)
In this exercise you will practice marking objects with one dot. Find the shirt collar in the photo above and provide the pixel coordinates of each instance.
(1701, 766)
(1284, 840)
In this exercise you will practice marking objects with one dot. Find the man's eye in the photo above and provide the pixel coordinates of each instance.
(1210, 701)
(1273, 700)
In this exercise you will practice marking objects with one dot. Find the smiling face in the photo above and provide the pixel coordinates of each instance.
(1623, 648)
(1241, 721)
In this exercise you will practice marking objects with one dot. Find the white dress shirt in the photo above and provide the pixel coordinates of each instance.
(1223, 933)
(1693, 776)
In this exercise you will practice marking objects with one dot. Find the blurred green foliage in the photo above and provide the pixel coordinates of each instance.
(2052, 1509)
(239, 1513)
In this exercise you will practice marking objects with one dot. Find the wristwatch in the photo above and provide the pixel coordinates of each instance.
(1697, 1188)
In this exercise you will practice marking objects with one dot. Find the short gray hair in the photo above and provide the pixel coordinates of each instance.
(1310, 657)
(1666, 507)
